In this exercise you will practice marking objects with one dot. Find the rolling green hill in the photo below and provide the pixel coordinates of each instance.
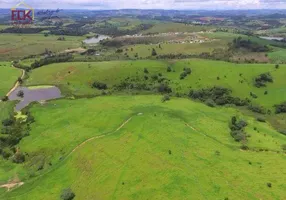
(8, 77)
(149, 149)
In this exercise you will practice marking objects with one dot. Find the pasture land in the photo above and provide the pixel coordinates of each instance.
(175, 27)
(76, 78)
(144, 51)
(8, 77)
(165, 150)
(16, 46)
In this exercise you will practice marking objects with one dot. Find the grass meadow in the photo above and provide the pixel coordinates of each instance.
(8, 76)
(175, 27)
(169, 151)
(76, 78)
(144, 51)
(15, 46)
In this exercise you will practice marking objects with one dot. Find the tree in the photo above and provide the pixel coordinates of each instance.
(67, 194)
(20, 94)
(154, 53)
(169, 69)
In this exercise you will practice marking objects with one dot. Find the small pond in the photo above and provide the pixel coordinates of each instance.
(32, 94)
(95, 40)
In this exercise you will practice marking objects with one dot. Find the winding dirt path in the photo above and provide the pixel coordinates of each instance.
(10, 186)
(17, 83)
(100, 136)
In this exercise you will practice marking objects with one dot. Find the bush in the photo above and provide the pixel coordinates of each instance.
(253, 95)
(146, 71)
(165, 98)
(100, 86)
(277, 66)
(220, 95)
(283, 147)
(19, 158)
(210, 103)
(237, 129)
(164, 88)
(154, 53)
(281, 108)
(185, 73)
(20, 94)
(169, 69)
(257, 109)
(238, 135)
(269, 185)
(67, 194)
(5, 98)
(7, 122)
(262, 79)
(260, 119)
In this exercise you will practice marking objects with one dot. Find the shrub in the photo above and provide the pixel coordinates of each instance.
(19, 157)
(253, 95)
(154, 77)
(281, 108)
(20, 94)
(276, 66)
(237, 129)
(260, 119)
(164, 88)
(67, 194)
(119, 50)
(146, 71)
(210, 103)
(7, 122)
(238, 135)
(245, 147)
(99, 85)
(154, 53)
(269, 185)
(165, 98)
(262, 79)
(257, 109)
(220, 95)
(283, 147)
(5, 98)
(169, 69)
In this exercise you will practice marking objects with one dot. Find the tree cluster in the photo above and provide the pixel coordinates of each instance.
(262, 79)
(217, 95)
(237, 129)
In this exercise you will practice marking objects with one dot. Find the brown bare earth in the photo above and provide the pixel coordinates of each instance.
(15, 182)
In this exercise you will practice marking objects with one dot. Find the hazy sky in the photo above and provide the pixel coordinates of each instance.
(150, 4)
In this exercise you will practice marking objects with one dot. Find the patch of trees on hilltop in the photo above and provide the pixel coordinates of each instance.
(217, 96)
(22, 30)
(239, 43)
(52, 59)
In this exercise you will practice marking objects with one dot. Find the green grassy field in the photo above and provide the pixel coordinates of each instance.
(8, 76)
(175, 27)
(134, 162)
(278, 56)
(76, 78)
(187, 48)
(15, 46)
